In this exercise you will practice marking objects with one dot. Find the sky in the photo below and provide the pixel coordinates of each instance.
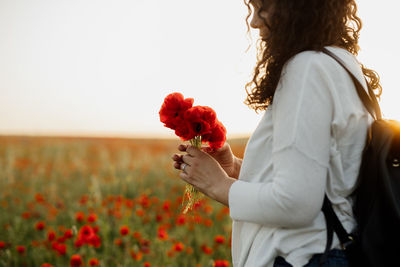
(103, 68)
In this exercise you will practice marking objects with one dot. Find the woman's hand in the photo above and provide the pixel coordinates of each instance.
(205, 173)
(223, 155)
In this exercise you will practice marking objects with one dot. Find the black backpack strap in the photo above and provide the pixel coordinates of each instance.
(368, 99)
(333, 224)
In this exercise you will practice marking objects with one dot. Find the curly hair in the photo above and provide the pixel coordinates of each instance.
(296, 26)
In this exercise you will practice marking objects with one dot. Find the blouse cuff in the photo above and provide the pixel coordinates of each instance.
(242, 198)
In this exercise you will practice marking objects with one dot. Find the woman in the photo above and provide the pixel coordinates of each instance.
(308, 143)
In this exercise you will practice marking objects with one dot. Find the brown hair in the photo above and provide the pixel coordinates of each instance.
(296, 26)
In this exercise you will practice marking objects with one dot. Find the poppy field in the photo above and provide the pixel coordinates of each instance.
(104, 202)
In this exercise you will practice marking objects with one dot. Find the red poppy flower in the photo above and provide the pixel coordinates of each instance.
(86, 235)
(171, 112)
(118, 242)
(206, 249)
(200, 120)
(124, 230)
(75, 261)
(39, 198)
(136, 256)
(79, 216)
(146, 264)
(46, 265)
(2, 244)
(136, 235)
(166, 206)
(181, 219)
(40, 226)
(20, 249)
(51, 235)
(221, 263)
(92, 218)
(68, 234)
(162, 233)
(219, 239)
(94, 262)
(96, 228)
(184, 132)
(26, 215)
(178, 246)
(217, 137)
(60, 248)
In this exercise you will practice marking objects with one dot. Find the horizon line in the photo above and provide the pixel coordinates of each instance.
(106, 135)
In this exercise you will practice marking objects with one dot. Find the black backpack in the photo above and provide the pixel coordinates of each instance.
(376, 240)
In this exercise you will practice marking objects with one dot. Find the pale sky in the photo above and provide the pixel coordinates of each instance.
(102, 67)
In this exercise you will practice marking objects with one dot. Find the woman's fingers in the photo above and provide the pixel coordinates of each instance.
(177, 157)
(182, 147)
(187, 159)
(177, 165)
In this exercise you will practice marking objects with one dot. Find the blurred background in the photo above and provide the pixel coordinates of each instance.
(102, 68)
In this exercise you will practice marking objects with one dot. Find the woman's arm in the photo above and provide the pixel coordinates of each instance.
(236, 169)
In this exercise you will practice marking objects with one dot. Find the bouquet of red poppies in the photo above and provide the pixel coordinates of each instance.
(197, 124)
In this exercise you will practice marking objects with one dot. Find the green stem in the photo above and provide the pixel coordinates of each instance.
(191, 193)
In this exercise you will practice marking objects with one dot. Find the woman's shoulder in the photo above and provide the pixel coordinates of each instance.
(318, 59)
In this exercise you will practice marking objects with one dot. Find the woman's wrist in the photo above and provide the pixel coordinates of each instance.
(237, 164)
(221, 191)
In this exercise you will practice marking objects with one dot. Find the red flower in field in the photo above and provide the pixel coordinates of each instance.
(75, 261)
(144, 201)
(129, 203)
(94, 262)
(178, 246)
(162, 233)
(221, 263)
(96, 228)
(60, 248)
(181, 219)
(206, 249)
(40, 226)
(171, 112)
(166, 205)
(217, 137)
(61, 239)
(159, 217)
(118, 242)
(46, 265)
(124, 230)
(208, 222)
(140, 212)
(68, 234)
(2, 244)
(219, 239)
(26, 215)
(146, 264)
(136, 235)
(39, 198)
(51, 235)
(79, 216)
(136, 256)
(86, 235)
(20, 249)
(92, 218)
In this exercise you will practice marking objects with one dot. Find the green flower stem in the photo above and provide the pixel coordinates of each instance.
(192, 194)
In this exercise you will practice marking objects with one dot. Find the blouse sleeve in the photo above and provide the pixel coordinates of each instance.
(302, 114)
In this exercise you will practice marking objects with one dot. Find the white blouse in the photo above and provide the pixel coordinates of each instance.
(309, 142)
